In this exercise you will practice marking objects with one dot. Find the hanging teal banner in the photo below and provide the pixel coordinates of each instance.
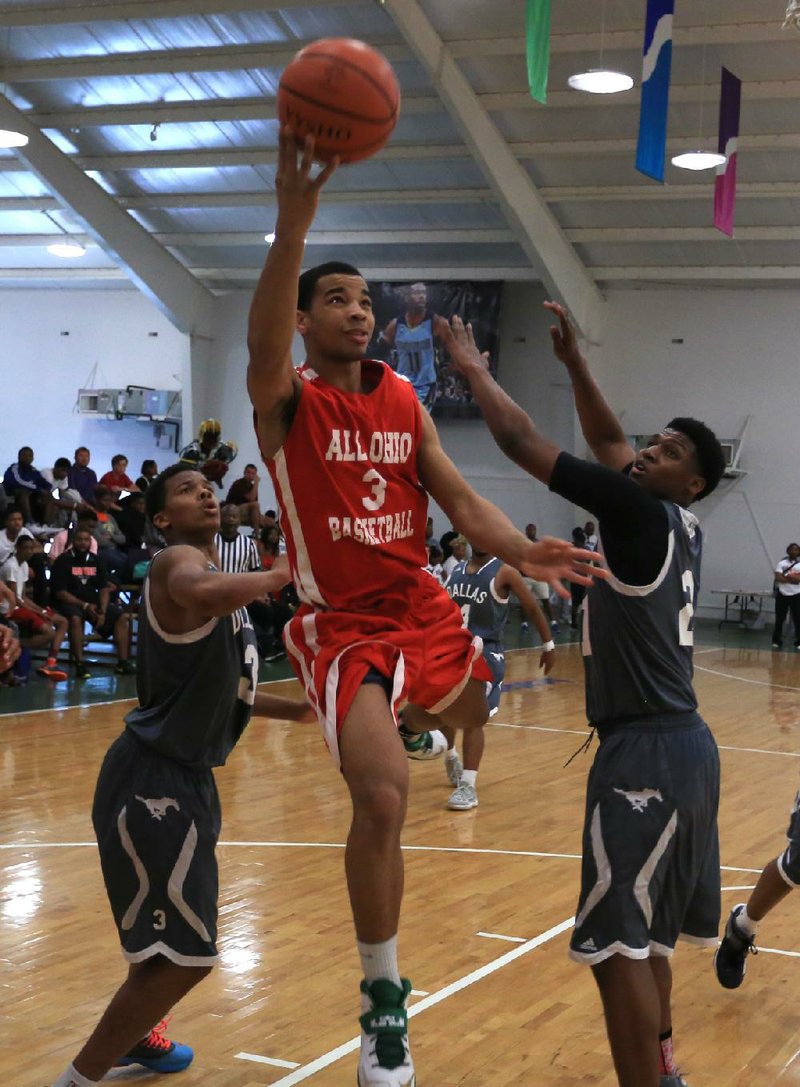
(537, 30)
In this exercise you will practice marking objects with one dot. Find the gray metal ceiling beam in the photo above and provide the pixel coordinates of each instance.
(555, 194)
(264, 109)
(157, 273)
(519, 149)
(528, 216)
(241, 238)
(114, 10)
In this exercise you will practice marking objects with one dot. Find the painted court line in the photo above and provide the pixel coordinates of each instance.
(498, 936)
(778, 951)
(335, 1055)
(745, 887)
(266, 1060)
(419, 992)
(742, 679)
(585, 732)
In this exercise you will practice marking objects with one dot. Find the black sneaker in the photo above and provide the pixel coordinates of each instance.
(125, 668)
(82, 672)
(274, 653)
(730, 960)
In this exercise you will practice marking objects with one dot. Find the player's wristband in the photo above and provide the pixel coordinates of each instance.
(548, 647)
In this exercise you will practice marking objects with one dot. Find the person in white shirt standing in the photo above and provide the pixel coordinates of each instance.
(787, 596)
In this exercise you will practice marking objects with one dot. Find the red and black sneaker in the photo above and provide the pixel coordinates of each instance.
(157, 1053)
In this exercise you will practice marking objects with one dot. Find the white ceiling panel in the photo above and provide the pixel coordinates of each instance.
(174, 115)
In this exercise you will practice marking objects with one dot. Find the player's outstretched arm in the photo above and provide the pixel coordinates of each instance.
(512, 580)
(182, 579)
(511, 427)
(271, 380)
(601, 428)
(546, 560)
(283, 709)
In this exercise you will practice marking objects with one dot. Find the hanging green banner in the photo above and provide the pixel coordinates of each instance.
(537, 30)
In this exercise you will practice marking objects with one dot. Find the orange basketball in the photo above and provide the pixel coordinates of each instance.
(342, 92)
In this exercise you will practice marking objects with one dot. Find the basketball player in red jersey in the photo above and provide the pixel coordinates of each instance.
(353, 458)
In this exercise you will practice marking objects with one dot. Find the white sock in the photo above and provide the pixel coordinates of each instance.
(377, 961)
(469, 777)
(71, 1078)
(452, 752)
(745, 923)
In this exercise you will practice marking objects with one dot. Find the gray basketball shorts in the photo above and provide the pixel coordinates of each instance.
(495, 657)
(157, 824)
(789, 860)
(650, 868)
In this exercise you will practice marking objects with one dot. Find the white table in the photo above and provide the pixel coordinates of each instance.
(743, 599)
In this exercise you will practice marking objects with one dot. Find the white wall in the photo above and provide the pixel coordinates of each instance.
(43, 370)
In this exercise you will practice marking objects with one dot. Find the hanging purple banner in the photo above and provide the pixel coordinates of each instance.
(730, 104)
(656, 69)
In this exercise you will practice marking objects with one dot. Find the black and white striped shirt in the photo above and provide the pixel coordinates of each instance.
(237, 556)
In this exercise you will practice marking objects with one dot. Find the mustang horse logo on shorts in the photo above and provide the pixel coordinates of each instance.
(639, 800)
(159, 808)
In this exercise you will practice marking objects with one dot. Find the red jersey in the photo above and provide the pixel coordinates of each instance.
(353, 510)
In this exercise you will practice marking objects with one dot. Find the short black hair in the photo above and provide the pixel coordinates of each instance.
(82, 449)
(62, 462)
(308, 280)
(24, 449)
(145, 465)
(156, 494)
(250, 466)
(11, 510)
(87, 515)
(708, 451)
(117, 458)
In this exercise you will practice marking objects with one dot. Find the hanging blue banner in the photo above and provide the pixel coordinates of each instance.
(656, 70)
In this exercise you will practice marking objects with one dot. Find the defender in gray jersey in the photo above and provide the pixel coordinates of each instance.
(650, 849)
(482, 586)
(156, 810)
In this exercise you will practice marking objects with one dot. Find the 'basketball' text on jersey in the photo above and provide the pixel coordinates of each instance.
(384, 447)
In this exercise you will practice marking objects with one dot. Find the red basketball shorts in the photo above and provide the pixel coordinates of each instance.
(422, 647)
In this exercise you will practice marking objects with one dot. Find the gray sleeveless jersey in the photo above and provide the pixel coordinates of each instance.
(195, 690)
(637, 639)
(484, 612)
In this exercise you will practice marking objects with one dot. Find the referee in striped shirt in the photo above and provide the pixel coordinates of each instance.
(239, 555)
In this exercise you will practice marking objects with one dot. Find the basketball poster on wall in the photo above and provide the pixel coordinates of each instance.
(408, 320)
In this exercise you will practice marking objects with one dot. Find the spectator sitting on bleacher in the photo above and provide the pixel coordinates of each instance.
(9, 643)
(27, 487)
(149, 472)
(81, 591)
(64, 503)
(208, 453)
(81, 477)
(110, 537)
(38, 627)
(244, 494)
(38, 566)
(117, 480)
(58, 545)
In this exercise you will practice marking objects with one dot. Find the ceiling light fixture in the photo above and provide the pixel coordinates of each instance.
(601, 80)
(67, 247)
(700, 158)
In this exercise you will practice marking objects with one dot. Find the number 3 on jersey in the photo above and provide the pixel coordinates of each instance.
(247, 684)
(378, 490)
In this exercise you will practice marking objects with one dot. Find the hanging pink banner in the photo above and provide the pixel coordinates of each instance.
(725, 188)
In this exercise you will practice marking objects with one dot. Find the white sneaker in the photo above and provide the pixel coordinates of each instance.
(385, 1059)
(453, 768)
(423, 745)
(464, 798)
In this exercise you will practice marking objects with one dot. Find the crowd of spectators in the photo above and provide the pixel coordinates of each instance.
(74, 548)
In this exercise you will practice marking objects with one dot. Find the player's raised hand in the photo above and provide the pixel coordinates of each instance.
(297, 186)
(552, 560)
(565, 339)
(459, 341)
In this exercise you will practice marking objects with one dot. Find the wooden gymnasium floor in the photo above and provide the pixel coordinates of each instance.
(490, 896)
